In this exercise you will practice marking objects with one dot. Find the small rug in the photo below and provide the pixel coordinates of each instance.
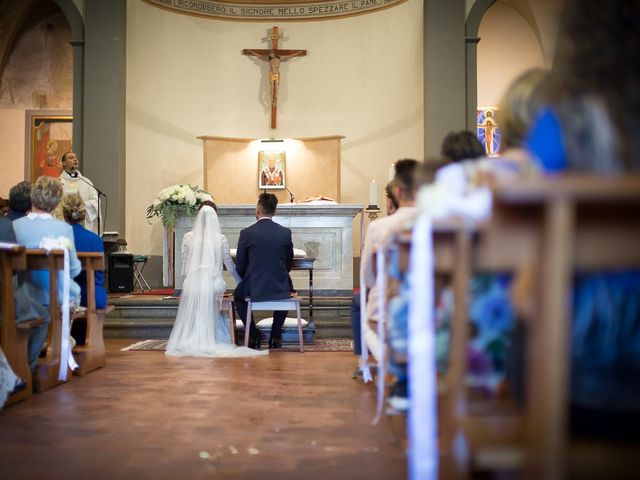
(157, 291)
(320, 345)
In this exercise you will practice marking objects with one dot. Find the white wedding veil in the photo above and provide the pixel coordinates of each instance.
(194, 330)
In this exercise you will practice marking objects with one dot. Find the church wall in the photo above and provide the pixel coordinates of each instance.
(38, 75)
(186, 77)
(12, 137)
(508, 47)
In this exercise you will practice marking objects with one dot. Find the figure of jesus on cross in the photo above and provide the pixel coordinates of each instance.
(274, 56)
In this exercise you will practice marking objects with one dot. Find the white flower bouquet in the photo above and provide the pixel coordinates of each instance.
(177, 200)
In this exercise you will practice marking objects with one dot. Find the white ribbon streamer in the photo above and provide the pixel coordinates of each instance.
(66, 356)
(423, 418)
(445, 199)
(381, 285)
(364, 349)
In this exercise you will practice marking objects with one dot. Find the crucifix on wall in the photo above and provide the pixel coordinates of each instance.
(274, 56)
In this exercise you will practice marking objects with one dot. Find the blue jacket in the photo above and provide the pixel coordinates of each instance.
(263, 260)
(87, 241)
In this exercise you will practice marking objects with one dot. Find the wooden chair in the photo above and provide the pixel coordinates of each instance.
(14, 337)
(47, 369)
(91, 355)
(292, 303)
(229, 306)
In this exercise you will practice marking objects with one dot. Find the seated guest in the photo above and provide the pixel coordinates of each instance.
(75, 211)
(392, 201)
(19, 200)
(392, 206)
(26, 308)
(39, 224)
(518, 109)
(9, 381)
(462, 145)
(405, 184)
(591, 125)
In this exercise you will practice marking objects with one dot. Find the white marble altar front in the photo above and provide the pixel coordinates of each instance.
(324, 232)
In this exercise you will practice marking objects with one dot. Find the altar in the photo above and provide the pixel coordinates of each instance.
(324, 232)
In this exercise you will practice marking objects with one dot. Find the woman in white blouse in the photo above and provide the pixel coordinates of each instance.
(201, 329)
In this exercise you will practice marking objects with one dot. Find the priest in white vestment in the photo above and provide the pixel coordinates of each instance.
(74, 182)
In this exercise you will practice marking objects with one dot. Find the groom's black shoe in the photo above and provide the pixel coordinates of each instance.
(275, 343)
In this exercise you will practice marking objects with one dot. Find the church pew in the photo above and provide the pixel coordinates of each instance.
(91, 355)
(552, 227)
(14, 338)
(47, 369)
(584, 223)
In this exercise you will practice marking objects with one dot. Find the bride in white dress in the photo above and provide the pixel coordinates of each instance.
(200, 329)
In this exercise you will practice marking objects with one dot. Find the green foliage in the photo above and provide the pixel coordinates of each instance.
(175, 201)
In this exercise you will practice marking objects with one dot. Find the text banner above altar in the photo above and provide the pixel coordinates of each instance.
(324, 232)
(301, 10)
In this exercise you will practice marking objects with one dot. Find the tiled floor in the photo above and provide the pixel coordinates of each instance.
(144, 415)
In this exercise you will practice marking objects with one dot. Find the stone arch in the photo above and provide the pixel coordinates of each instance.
(472, 27)
(76, 24)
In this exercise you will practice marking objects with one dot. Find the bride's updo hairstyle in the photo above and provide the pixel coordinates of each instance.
(208, 203)
(74, 209)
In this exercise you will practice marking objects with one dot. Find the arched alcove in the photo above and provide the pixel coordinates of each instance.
(509, 47)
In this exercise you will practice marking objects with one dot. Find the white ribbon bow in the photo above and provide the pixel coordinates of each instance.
(66, 356)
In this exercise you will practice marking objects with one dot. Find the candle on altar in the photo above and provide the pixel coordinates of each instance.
(392, 171)
(373, 194)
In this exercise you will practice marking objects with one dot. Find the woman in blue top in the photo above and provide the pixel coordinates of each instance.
(592, 124)
(75, 211)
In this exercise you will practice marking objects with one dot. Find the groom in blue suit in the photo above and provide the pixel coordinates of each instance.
(263, 260)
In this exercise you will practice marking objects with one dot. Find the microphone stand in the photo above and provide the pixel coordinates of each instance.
(290, 194)
(100, 192)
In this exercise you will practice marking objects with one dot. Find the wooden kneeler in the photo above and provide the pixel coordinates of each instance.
(91, 355)
(47, 369)
(14, 338)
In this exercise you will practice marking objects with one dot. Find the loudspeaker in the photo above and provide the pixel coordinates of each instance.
(120, 272)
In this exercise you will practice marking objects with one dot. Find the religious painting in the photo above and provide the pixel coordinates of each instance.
(488, 130)
(50, 138)
(271, 170)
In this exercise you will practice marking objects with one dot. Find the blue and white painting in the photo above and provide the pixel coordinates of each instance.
(488, 130)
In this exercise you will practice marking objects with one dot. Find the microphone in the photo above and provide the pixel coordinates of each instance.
(290, 194)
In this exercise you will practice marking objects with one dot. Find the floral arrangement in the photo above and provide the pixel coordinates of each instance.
(177, 200)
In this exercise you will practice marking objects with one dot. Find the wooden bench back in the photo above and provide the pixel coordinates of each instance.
(53, 262)
(12, 341)
(91, 261)
(11, 258)
(554, 227)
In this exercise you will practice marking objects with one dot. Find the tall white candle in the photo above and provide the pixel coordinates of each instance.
(373, 193)
(392, 171)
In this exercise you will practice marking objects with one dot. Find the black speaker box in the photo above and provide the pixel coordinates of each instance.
(120, 272)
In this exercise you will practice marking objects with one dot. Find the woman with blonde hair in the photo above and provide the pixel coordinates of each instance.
(39, 224)
(74, 211)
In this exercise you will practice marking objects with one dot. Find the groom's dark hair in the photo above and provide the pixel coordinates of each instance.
(268, 202)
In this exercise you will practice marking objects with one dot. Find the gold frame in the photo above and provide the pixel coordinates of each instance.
(280, 160)
(44, 153)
